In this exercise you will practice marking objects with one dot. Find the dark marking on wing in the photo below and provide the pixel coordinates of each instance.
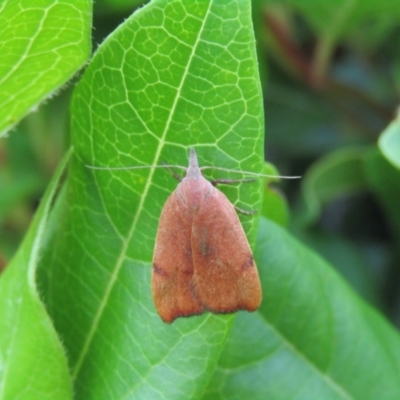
(206, 250)
(159, 271)
(248, 264)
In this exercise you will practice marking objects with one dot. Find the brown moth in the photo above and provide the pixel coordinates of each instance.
(202, 260)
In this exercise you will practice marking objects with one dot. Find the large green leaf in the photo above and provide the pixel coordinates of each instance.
(176, 74)
(339, 174)
(313, 338)
(32, 362)
(42, 44)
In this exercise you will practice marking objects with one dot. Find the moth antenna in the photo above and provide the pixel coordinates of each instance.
(215, 182)
(136, 167)
(251, 173)
(245, 212)
(193, 166)
(173, 173)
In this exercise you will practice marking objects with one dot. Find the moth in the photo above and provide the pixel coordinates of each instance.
(202, 260)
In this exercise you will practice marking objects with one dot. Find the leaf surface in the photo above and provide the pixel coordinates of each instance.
(176, 74)
(42, 44)
(32, 361)
(314, 337)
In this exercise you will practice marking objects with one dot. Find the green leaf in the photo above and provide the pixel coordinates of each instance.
(275, 206)
(348, 259)
(42, 45)
(389, 143)
(32, 362)
(338, 174)
(313, 338)
(176, 74)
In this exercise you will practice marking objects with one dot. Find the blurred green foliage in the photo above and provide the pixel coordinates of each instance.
(331, 95)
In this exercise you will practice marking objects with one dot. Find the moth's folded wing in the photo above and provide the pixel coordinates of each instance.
(172, 263)
(225, 277)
